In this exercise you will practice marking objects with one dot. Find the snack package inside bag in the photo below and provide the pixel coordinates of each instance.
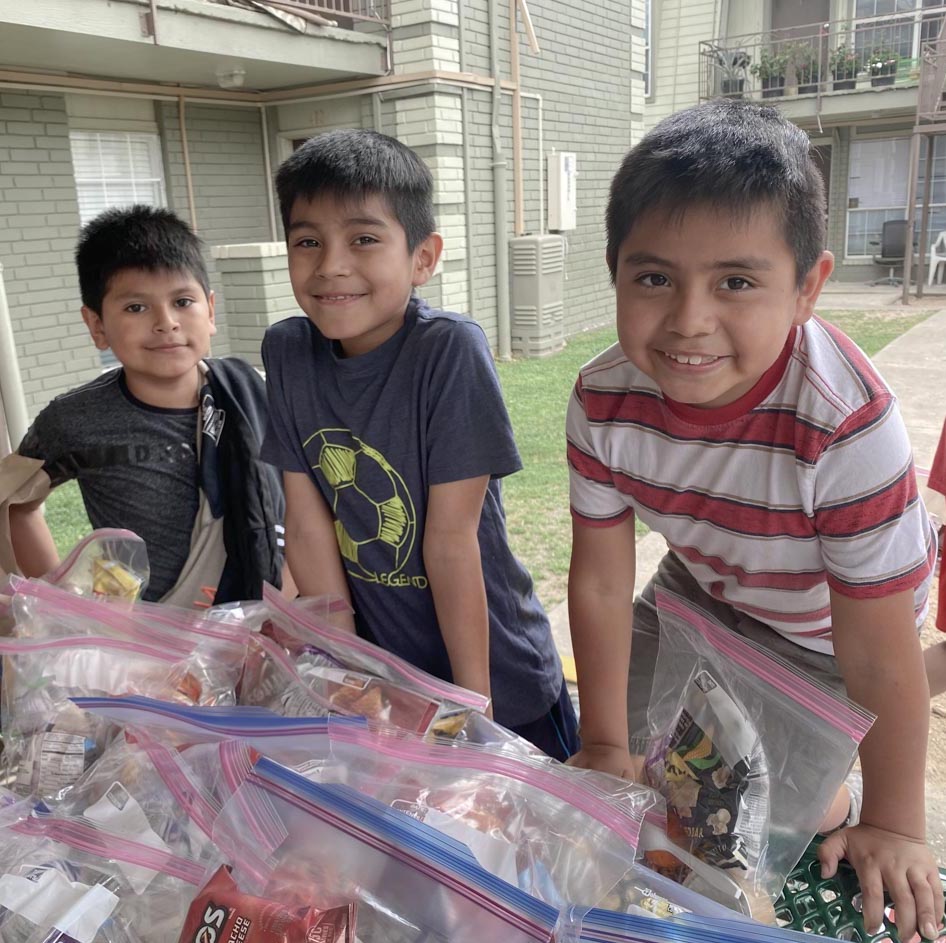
(749, 754)
(108, 562)
(221, 911)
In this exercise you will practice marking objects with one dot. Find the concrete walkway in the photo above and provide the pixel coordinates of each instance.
(914, 365)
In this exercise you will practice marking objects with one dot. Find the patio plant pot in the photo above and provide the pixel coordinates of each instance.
(808, 89)
(841, 85)
(732, 87)
(773, 87)
(877, 81)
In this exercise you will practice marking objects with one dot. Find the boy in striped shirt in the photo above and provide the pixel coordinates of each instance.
(761, 442)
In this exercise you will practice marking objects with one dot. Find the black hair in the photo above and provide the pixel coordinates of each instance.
(730, 154)
(354, 164)
(135, 237)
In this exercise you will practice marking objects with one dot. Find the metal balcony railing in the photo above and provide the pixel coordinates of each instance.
(345, 13)
(823, 58)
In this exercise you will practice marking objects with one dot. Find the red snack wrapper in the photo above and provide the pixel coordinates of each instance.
(222, 913)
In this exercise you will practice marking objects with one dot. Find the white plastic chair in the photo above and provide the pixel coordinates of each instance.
(937, 259)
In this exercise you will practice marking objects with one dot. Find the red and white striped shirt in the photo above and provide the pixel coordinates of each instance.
(805, 482)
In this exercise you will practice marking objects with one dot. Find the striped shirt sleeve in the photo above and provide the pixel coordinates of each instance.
(595, 501)
(874, 531)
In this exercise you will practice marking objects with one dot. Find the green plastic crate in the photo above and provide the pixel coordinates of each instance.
(827, 907)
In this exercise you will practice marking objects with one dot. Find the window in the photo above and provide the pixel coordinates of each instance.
(116, 168)
(877, 190)
(901, 35)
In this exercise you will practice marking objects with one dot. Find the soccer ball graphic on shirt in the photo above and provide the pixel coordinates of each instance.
(375, 520)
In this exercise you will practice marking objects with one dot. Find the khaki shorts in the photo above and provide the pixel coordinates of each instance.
(674, 576)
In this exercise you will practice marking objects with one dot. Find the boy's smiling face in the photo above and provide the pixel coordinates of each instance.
(158, 324)
(351, 270)
(706, 300)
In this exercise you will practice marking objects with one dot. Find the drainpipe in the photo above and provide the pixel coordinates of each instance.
(517, 175)
(268, 173)
(11, 384)
(467, 169)
(188, 176)
(504, 327)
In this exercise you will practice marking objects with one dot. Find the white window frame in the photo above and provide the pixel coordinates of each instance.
(859, 259)
(155, 181)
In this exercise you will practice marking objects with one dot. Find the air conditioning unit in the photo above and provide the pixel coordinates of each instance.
(537, 294)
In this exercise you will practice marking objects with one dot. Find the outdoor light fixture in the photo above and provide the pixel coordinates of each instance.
(230, 77)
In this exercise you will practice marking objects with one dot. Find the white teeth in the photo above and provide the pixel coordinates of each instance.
(693, 360)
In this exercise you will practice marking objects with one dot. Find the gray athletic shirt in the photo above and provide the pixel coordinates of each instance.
(375, 432)
(136, 466)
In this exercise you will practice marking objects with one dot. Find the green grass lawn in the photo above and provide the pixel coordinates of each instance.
(537, 393)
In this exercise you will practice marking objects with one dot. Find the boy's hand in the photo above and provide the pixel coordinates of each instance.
(904, 866)
(610, 759)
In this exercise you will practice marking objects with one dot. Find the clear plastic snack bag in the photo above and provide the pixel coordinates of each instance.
(546, 828)
(412, 884)
(66, 880)
(49, 742)
(107, 563)
(305, 634)
(215, 651)
(142, 788)
(749, 754)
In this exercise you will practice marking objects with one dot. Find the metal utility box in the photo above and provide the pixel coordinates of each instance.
(537, 291)
(563, 191)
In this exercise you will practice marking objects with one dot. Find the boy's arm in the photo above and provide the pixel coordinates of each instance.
(880, 659)
(455, 570)
(600, 613)
(33, 544)
(312, 552)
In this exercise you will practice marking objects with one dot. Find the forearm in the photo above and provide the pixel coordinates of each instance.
(33, 544)
(315, 565)
(893, 754)
(455, 572)
(600, 621)
(883, 669)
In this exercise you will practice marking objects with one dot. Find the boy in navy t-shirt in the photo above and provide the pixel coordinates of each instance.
(387, 420)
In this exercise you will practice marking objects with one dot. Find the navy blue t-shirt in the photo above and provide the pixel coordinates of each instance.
(375, 432)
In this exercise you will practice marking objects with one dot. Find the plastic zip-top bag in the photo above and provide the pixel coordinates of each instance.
(544, 827)
(68, 880)
(48, 741)
(215, 651)
(316, 642)
(108, 562)
(749, 754)
(411, 882)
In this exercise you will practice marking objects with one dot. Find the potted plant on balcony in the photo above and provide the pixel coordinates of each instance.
(731, 65)
(882, 65)
(843, 63)
(771, 69)
(807, 68)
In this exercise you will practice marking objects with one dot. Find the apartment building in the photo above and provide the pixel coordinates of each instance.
(847, 71)
(522, 110)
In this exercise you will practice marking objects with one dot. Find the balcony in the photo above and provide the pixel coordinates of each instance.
(344, 14)
(842, 57)
(197, 44)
